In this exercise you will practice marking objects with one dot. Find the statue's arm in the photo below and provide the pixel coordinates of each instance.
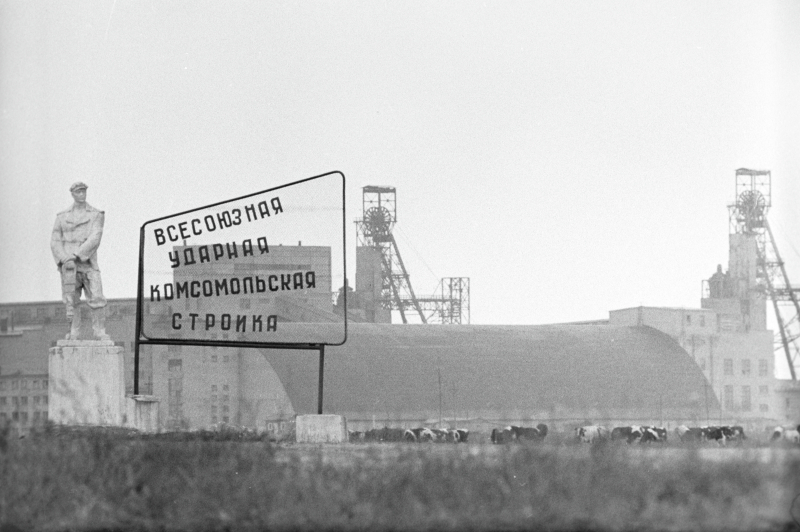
(57, 244)
(89, 247)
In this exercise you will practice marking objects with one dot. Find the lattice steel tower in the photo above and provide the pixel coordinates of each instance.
(748, 217)
(375, 231)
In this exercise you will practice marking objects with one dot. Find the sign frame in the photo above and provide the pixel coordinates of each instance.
(141, 339)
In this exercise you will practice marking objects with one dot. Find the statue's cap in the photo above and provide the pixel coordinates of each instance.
(76, 186)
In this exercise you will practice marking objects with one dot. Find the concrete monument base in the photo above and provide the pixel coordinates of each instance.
(87, 387)
(325, 428)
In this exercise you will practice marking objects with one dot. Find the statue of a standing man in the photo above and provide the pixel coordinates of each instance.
(76, 237)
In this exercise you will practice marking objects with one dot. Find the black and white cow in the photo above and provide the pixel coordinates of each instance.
(503, 435)
(720, 434)
(463, 434)
(591, 433)
(419, 435)
(515, 433)
(737, 433)
(692, 434)
(385, 434)
(630, 434)
(653, 435)
(536, 433)
(786, 435)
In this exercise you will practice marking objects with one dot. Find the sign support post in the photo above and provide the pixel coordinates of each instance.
(321, 373)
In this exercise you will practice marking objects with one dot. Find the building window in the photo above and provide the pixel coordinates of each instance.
(14, 384)
(688, 319)
(44, 399)
(746, 367)
(763, 368)
(24, 384)
(728, 397)
(214, 409)
(224, 387)
(746, 398)
(35, 385)
(763, 390)
(702, 320)
(23, 401)
(226, 398)
(763, 408)
(2, 385)
(225, 409)
(225, 419)
(727, 366)
(36, 399)
(2, 401)
(15, 400)
(214, 388)
(175, 364)
(23, 417)
(213, 419)
(213, 358)
(3, 417)
(44, 384)
(173, 348)
(214, 397)
(226, 359)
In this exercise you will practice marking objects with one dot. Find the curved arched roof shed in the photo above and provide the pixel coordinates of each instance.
(407, 372)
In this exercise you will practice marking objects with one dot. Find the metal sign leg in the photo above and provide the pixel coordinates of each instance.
(321, 372)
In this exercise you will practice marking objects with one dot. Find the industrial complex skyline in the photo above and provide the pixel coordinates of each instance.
(570, 158)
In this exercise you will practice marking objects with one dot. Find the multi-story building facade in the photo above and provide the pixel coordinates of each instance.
(23, 400)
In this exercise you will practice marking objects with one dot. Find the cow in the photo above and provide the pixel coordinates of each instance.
(737, 433)
(384, 434)
(630, 434)
(536, 433)
(419, 435)
(504, 435)
(355, 435)
(653, 434)
(463, 434)
(719, 434)
(787, 435)
(692, 434)
(591, 433)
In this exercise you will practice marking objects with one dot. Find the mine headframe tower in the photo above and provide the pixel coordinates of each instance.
(748, 216)
(375, 230)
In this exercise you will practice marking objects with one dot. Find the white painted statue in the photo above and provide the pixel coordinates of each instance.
(76, 237)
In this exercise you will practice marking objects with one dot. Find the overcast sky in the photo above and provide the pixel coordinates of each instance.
(568, 157)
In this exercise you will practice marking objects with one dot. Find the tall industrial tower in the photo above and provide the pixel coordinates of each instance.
(381, 275)
(751, 236)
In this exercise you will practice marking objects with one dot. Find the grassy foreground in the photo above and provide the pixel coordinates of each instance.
(212, 481)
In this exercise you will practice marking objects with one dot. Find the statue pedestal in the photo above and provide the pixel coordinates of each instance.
(87, 387)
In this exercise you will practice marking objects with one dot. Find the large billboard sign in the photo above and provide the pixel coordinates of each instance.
(259, 270)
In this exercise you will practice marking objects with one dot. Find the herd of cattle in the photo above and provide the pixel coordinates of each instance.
(424, 434)
(586, 434)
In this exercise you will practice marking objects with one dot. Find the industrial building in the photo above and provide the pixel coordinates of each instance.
(650, 365)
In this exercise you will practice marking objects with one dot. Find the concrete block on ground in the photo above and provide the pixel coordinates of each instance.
(321, 428)
(142, 412)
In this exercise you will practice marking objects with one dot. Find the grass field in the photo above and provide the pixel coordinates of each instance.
(91, 480)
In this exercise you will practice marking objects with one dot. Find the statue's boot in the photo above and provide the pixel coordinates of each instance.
(75, 326)
(99, 323)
